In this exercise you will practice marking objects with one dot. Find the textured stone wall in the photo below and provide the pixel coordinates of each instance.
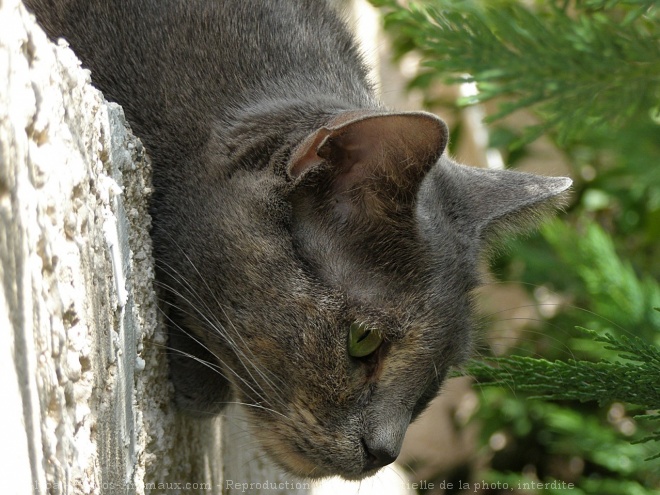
(83, 379)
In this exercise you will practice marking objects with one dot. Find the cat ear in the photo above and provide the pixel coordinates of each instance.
(366, 147)
(481, 204)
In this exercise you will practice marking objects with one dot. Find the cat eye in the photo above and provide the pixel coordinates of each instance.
(362, 340)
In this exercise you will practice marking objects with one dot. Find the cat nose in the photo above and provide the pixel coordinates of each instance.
(384, 434)
(377, 457)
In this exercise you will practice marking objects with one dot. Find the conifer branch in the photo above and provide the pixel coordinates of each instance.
(595, 64)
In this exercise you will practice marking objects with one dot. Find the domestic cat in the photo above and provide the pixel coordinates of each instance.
(315, 252)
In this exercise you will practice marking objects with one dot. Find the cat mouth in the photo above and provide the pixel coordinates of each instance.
(306, 469)
(313, 462)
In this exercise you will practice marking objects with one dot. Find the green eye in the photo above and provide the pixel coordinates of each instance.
(363, 340)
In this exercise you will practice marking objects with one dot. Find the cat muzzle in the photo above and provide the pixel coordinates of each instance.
(383, 439)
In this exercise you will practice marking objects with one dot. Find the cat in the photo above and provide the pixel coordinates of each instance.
(316, 252)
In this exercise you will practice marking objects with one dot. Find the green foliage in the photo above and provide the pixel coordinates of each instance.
(616, 292)
(613, 368)
(634, 380)
(562, 435)
(596, 64)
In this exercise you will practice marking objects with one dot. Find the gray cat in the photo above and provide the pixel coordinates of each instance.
(315, 251)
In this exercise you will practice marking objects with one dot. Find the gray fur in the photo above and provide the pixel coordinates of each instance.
(289, 204)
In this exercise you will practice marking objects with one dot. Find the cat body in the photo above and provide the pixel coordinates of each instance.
(291, 208)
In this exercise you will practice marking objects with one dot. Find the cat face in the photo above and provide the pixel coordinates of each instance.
(339, 317)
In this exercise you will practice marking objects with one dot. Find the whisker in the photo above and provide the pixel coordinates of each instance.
(217, 326)
(208, 322)
(563, 304)
(218, 358)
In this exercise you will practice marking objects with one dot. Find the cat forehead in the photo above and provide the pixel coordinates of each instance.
(400, 269)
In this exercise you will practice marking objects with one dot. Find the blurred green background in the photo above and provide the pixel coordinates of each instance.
(588, 73)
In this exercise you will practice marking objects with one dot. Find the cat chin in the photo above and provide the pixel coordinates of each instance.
(296, 462)
(366, 474)
(313, 472)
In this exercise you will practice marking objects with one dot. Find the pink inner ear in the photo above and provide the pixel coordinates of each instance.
(305, 156)
(353, 152)
(363, 144)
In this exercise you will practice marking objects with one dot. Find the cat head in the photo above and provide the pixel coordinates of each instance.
(337, 315)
